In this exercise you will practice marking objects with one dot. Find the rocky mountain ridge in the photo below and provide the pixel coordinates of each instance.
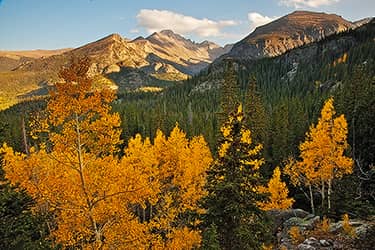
(159, 54)
(116, 61)
(334, 49)
(288, 32)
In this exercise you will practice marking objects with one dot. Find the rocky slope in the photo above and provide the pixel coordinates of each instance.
(161, 54)
(187, 56)
(288, 32)
(297, 62)
(129, 64)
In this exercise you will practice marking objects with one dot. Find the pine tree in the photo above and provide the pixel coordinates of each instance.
(229, 93)
(210, 238)
(232, 185)
(356, 98)
(279, 133)
(255, 112)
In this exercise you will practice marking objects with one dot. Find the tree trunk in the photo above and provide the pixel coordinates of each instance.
(98, 236)
(143, 215)
(329, 193)
(323, 195)
(311, 200)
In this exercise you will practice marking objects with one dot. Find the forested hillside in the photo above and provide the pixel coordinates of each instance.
(290, 88)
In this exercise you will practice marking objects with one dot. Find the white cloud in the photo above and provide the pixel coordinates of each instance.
(307, 3)
(156, 20)
(257, 19)
(134, 31)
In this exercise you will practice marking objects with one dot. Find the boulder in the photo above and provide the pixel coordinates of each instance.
(278, 217)
(306, 223)
(312, 242)
(361, 227)
(335, 227)
(324, 243)
(304, 246)
(303, 223)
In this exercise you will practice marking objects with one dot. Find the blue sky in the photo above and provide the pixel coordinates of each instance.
(52, 24)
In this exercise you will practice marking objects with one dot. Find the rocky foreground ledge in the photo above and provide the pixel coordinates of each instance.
(298, 229)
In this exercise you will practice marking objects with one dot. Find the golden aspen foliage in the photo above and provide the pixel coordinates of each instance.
(296, 172)
(323, 150)
(100, 201)
(268, 247)
(183, 239)
(341, 59)
(182, 166)
(278, 191)
(325, 225)
(345, 57)
(348, 229)
(322, 153)
(295, 235)
(76, 175)
(322, 229)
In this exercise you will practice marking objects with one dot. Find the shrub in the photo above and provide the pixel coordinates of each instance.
(295, 235)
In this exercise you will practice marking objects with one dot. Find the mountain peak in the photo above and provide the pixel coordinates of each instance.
(138, 38)
(313, 16)
(288, 32)
(164, 53)
(169, 38)
(303, 12)
(208, 44)
(113, 36)
(110, 39)
(165, 34)
(302, 20)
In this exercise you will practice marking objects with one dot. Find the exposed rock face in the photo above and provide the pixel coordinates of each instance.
(161, 53)
(362, 22)
(185, 55)
(279, 217)
(306, 223)
(288, 32)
